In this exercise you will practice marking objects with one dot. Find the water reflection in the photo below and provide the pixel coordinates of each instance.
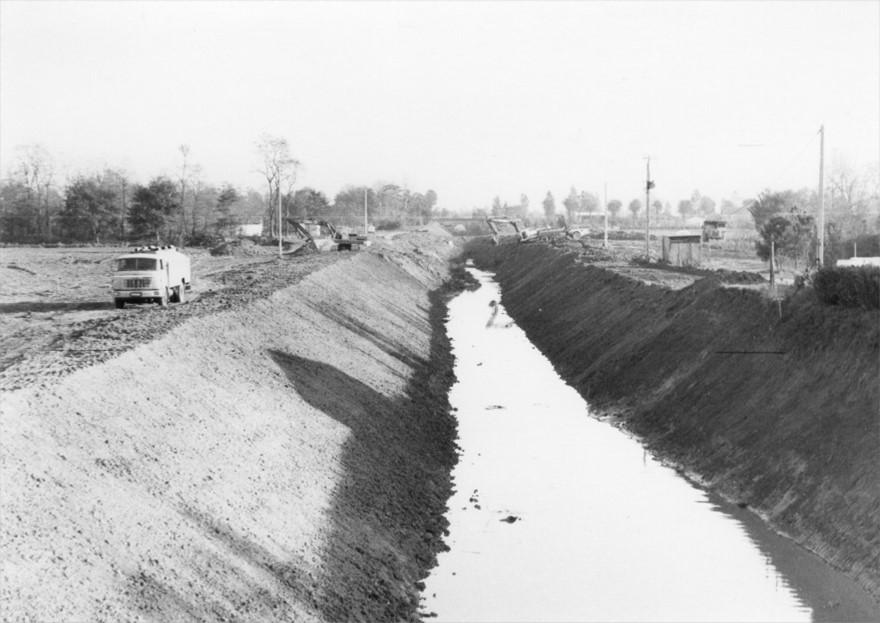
(560, 517)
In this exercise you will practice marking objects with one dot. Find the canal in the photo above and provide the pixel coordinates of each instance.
(558, 516)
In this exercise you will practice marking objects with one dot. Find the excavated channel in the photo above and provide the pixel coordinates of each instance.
(560, 516)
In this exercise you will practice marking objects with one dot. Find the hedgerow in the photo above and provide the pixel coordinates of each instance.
(850, 286)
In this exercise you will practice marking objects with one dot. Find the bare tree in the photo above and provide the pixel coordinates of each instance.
(197, 187)
(279, 168)
(36, 169)
(184, 151)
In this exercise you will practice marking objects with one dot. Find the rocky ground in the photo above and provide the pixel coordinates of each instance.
(277, 448)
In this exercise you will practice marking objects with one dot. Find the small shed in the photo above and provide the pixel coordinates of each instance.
(683, 250)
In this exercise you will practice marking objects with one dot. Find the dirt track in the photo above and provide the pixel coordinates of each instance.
(56, 314)
(277, 452)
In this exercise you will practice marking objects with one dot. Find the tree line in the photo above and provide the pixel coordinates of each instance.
(107, 206)
(783, 219)
(852, 207)
(578, 203)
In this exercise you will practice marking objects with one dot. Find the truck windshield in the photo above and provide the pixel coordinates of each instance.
(135, 263)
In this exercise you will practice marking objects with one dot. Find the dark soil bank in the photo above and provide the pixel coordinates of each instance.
(780, 415)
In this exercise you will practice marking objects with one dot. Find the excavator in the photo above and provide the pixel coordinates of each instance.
(526, 234)
(520, 233)
(341, 241)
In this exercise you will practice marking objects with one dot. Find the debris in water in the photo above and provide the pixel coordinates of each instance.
(510, 519)
(492, 407)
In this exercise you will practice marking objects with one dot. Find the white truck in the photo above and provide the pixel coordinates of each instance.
(151, 275)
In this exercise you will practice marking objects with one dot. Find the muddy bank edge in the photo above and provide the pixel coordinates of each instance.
(285, 460)
(777, 415)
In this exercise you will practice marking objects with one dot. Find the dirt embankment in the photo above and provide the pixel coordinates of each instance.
(284, 458)
(777, 414)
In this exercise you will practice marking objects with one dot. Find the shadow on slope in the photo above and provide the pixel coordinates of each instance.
(387, 520)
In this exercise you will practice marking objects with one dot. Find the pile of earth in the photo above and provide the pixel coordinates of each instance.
(723, 275)
(243, 247)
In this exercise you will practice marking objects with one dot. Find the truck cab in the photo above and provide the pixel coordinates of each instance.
(151, 275)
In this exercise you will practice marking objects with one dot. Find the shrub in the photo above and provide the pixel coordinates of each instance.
(387, 225)
(856, 286)
(202, 239)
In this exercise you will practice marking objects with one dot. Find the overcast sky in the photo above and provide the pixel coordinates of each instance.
(471, 99)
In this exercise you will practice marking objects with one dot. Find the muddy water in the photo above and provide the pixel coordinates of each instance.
(558, 516)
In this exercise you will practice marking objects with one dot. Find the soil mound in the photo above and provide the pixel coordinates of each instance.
(777, 413)
(243, 247)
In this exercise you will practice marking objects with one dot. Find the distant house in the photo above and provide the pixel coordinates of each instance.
(860, 261)
(249, 229)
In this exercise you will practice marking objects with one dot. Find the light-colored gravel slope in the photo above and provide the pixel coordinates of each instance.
(216, 473)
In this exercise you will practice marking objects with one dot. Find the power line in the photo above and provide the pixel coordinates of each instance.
(808, 144)
(797, 159)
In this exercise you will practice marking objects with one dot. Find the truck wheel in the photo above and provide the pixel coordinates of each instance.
(576, 235)
(181, 293)
(119, 303)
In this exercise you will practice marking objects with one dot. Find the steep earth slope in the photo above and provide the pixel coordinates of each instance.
(779, 414)
(282, 459)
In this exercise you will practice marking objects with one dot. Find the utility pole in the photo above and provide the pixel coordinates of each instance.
(648, 186)
(773, 265)
(605, 198)
(365, 211)
(280, 253)
(821, 194)
(122, 215)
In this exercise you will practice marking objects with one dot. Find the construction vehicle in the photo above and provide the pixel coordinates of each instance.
(151, 274)
(302, 232)
(530, 234)
(713, 230)
(307, 230)
(519, 234)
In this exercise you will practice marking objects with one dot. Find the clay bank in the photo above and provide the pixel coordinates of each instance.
(287, 455)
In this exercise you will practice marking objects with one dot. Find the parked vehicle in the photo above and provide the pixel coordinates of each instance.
(151, 275)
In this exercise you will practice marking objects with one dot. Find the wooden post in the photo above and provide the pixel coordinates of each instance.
(280, 253)
(772, 267)
(648, 209)
(822, 195)
(605, 239)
